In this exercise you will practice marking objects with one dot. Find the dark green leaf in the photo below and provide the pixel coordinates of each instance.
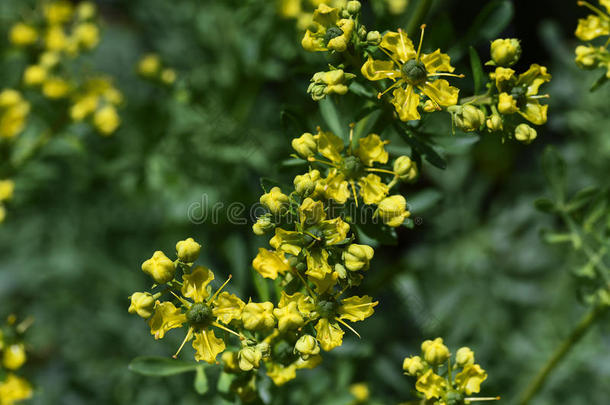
(477, 70)
(582, 198)
(267, 184)
(554, 170)
(599, 82)
(544, 205)
(420, 146)
(492, 20)
(160, 366)
(331, 116)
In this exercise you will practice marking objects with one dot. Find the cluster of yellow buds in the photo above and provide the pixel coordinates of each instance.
(332, 82)
(595, 26)
(151, 67)
(443, 382)
(508, 96)
(13, 388)
(14, 110)
(341, 173)
(59, 34)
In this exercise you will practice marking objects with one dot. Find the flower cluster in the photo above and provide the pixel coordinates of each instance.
(14, 110)
(441, 382)
(509, 96)
(52, 41)
(151, 67)
(13, 388)
(595, 26)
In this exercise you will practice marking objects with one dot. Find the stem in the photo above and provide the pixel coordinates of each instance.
(583, 326)
(418, 16)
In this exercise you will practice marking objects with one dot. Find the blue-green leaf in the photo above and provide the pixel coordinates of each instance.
(160, 366)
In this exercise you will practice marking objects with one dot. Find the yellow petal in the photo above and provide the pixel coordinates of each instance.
(357, 308)
(592, 27)
(166, 317)
(437, 62)
(195, 284)
(286, 241)
(379, 69)
(228, 307)
(334, 230)
(441, 92)
(329, 145)
(406, 102)
(470, 378)
(372, 189)
(323, 284)
(330, 335)
(399, 45)
(430, 384)
(14, 389)
(281, 374)
(207, 346)
(534, 77)
(371, 149)
(336, 187)
(317, 263)
(269, 263)
(534, 112)
(326, 16)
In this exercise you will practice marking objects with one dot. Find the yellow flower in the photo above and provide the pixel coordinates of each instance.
(228, 307)
(269, 263)
(55, 39)
(357, 257)
(287, 312)
(507, 104)
(249, 358)
(168, 76)
(22, 34)
(149, 65)
(257, 316)
(434, 351)
(332, 82)
(58, 12)
(48, 59)
(524, 133)
(505, 52)
(207, 346)
(413, 365)
(430, 384)
(165, 318)
(142, 304)
(83, 107)
(306, 184)
(305, 145)
(464, 357)
(525, 94)
(275, 201)
(263, 225)
(159, 267)
(371, 149)
(360, 391)
(13, 113)
(329, 32)
(356, 308)
(188, 250)
(409, 70)
(470, 378)
(86, 10)
(106, 120)
(330, 335)
(14, 389)
(87, 35)
(594, 25)
(468, 118)
(55, 87)
(34, 75)
(7, 188)
(393, 210)
(494, 122)
(14, 356)
(281, 374)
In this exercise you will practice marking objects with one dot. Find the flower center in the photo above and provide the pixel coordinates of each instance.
(352, 167)
(332, 33)
(414, 72)
(200, 315)
(519, 94)
(327, 308)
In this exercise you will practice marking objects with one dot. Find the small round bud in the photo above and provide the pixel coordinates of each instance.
(353, 7)
(469, 118)
(507, 104)
(34, 75)
(23, 34)
(275, 201)
(150, 65)
(373, 38)
(494, 123)
(505, 52)
(7, 188)
(159, 267)
(263, 225)
(14, 356)
(434, 351)
(362, 32)
(464, 357)
(405, 168)
(306, 184)
(307, 346)
(393, 210)
(168, 76)
(188, 250)
(249, 358)
(305, 145)
(413, 365)
(340, 271)
(525, 134)
(357, 257)
(142, 304)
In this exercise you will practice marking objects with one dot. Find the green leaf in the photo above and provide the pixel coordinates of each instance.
(379, 232)
(331, 116)
(366, 124)
(160, 366)
(477, 70)
(201, 381)
(554, 171)
(419, 146)
(267, 184)
(359, 90)
(291, 124)
(261, 286)
(492, 20)
(544, 205)
(582, 198)
(599, 82)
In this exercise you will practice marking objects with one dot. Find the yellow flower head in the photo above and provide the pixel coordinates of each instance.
(258, 316)
(287, 313)
(434, 351)
(270, 263)
(188, 250)
(595, 25)
(34, 75)
(524, 133)
(106, 120)
(464, 357)
(142, 304)
(13, 113)
(55, 88)
(393, 210)
(13, 356)
(505, 52)
(275, 201)
(58, 12)
(405, 168)
(7, 188)
(430, 384)
(150, 65)
(329, 32)
(357, 257)
(307, 346)
(413, 365)
(521, 95)
(22, 34)
(14, 389)
(159, 267)
(470, 378)
(305, 145)
(410, 70)
(87, 35)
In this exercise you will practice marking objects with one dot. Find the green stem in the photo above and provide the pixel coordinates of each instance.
(583, 326)
(418, 17)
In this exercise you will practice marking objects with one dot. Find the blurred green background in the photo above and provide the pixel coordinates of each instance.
(475, 271)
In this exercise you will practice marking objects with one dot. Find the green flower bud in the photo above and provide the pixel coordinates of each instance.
(353, 7)
(373, 38)
(159, 267)
(469, 118)
(307, 346)
(142, 304)
(263, 225)
(362, 32)
(188, 250)
(405, 168)
(505, 52)
(357, 257)
(413, 365)
(305, 145)
(464, 357)
(306, 184)
(249, 358)
(524, 133)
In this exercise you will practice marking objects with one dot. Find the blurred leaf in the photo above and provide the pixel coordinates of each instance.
(582, 198)
(331, 116)
(599, 82)
(544, 205)
(379, 232)
(365, 125)
(420, 146)
(477, 70)
(201, 381)
(424, 200)
(160, 366)
(360, 90)
(267, 184)
(554, 170)
(491, 21)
